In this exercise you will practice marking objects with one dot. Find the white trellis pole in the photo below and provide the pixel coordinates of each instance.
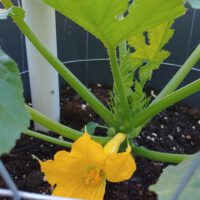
(43, 78)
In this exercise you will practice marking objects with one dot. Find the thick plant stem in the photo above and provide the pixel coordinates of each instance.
(159, 156)
(123, 45)
(180, 75)
(47, 138)
(7, 3)
(59, 128)
(117, 79)
(143, 117)
(122, 50)
(96, 105)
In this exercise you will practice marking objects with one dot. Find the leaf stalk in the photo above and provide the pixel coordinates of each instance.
(60, 128)
(95, 104)
(159, 156)
(143, 117)
(47, 138)
(118, 80)
(180, 75)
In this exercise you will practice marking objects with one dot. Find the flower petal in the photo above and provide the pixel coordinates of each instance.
(82, 191)
(62, 169)
(67, 189)
(88, 151)
(119, 166)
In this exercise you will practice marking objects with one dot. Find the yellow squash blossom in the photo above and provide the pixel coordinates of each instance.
(82, 173)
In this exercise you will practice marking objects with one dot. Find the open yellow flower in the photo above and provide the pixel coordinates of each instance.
(82, 173)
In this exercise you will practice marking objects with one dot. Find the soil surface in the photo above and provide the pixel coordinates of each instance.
(176, 130)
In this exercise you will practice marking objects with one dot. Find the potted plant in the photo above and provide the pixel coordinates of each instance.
(138, 30)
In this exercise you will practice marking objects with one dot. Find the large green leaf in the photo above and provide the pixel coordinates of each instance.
(101, 17)
(172, 177)
(13, 116)
(194, 3)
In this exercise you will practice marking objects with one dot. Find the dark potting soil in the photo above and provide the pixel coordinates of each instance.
(175, 130)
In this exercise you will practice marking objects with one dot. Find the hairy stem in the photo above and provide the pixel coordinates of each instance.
(59, 128)
(47, 138)
(159, 156)
(95, 104)
(122, 50)
(117, 79)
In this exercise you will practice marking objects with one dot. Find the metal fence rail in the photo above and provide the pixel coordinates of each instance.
(31, 196)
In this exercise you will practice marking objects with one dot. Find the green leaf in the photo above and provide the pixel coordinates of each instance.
(147, 57)
(136, 98)
(139, 100)
(128, 67)
(102, 17)
(13, 11)
(13, 116)
(172, 177)
(91, 127)
(149, 53)
(194, 3)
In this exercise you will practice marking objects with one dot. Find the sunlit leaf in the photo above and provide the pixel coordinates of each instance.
(101, 17)
(13, 116)
(127, 70)
(149, 49)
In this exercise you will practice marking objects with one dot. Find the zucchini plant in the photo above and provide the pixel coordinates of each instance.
(138, 30)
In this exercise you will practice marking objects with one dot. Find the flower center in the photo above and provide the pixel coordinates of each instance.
(94, 176)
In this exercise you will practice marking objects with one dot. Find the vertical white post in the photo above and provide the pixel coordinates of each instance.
(43, 78)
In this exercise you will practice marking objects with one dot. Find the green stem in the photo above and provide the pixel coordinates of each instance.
(159, 156)
(117, 79)
(7, 3)
(122, 45)
(176, 80)
(180, 75)
(96, 105)
(122, 50)
(47, 138)
(59, 128)
(143, 117)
